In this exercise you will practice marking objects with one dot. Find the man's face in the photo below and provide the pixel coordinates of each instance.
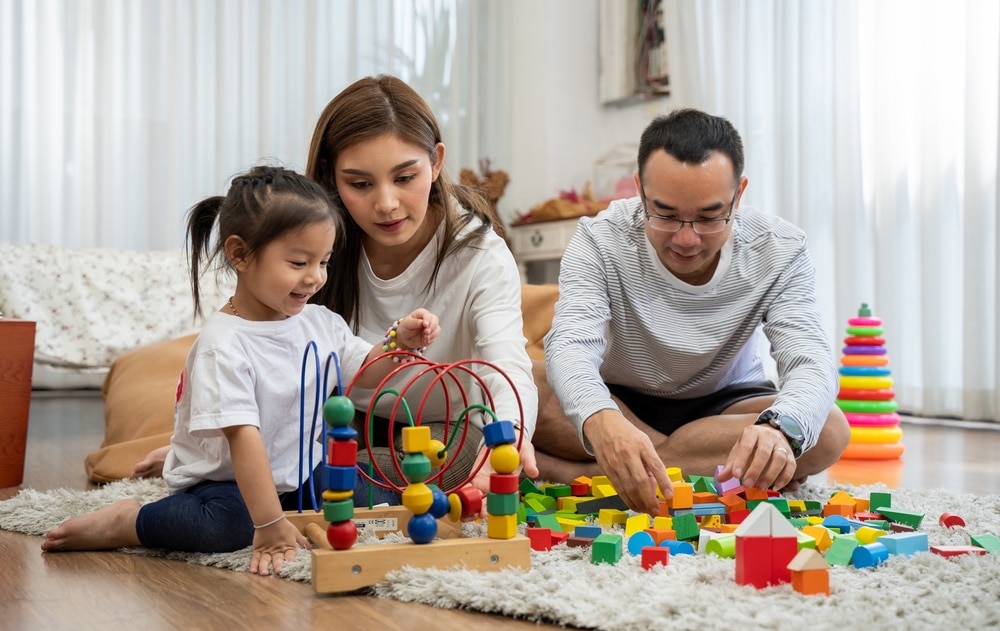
(689, 192)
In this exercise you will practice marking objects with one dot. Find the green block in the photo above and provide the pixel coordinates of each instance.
(799, 522)
(805, 541)
(812, 505)
(986, 541)
(522, 514)
(877, 500)
(907, 518)
(841, 550)
(880, 524)
(527, 486)
(752, 504)
(502, 503)
(782, 505)
(548, 521)
(606, 548)
(703, 484)
(558, 490)
(686, 527)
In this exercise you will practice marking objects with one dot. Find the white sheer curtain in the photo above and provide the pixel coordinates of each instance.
(116, 116)
(873, 126)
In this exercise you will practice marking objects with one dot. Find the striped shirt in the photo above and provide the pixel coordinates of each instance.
(623, 318)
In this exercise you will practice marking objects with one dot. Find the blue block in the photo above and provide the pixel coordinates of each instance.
(700, 510)
(588, 532)
(340, 478)
(905, 543)
(838, 523)
(677, 547)
(869, 555)
(638, 541)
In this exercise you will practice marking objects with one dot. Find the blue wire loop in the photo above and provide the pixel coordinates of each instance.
(317, 406)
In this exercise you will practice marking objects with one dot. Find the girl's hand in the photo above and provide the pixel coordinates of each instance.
(418, 329)
(275, 545)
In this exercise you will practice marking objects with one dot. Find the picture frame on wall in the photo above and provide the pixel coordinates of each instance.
(634, 64)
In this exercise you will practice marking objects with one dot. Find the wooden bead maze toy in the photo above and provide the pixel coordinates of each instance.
(340, 566)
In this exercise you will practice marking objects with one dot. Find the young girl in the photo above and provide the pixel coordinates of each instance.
(412, 234)
(233, 465)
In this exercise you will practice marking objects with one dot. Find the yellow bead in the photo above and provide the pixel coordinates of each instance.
(505, 459)
(337, 496)
(455, 507)
(436, 453)
(417, 498)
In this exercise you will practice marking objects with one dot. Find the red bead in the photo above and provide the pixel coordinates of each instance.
(342, 534)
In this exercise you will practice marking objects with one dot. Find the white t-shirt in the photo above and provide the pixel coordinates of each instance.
(477, 297)
(250, 373)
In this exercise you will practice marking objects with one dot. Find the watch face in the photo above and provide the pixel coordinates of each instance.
(790, 427)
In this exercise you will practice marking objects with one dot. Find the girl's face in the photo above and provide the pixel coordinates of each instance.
(385, 184)
(277, 282)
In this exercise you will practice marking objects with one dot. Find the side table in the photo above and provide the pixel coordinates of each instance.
(543, 241)
(17, 354)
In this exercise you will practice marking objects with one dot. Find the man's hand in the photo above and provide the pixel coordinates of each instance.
(627, 456)
(761, 458)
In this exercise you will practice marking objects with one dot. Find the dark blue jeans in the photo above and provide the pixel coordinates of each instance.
(210, 517)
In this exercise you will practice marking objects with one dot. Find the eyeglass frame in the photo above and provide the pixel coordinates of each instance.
(650, 216)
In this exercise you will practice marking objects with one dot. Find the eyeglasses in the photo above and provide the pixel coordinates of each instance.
(700, 226)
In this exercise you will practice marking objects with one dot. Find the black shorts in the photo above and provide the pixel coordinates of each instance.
(666, 415)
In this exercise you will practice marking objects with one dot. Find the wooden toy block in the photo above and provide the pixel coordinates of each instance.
(611, 517)
(869, 555)
(335, 571)
(894, 527)
(502, 503)
(755, 494)
(568, 522)
(704, 497)
(534, 504)
(501, 526)
(578, 542)
(342, 453)
(606, 548)
(908, 518)
(678, 547)
(727, 528)
(580, 489)
(838, 523)
(595, 505)
(636, 523)
(868, 535)
(499, 433)
(810, 573)
(877, 500)
(841, 551)
(905, 543)
(660, 535)
(802, 540)
(675, 474)
(711, 522)
(796, 507)
(589, 532)
(663, 521)
(723, 546)
(559, 537)
(547, 521)
(527, 487)
(639, 540)
(700, 510)
(821, 535)
(842, 498)
(867, 516)
(603, 490)
(539, 538)
(753, 560)
(861, 505)
(653, 556)
(737, 516)
(568, 504)
(558, 490)
(732, 502)
(703, 484)
(951, 551)
(986, 541)
(781, 504)
(683, 496)
(686, 527)
(844, 510)
(950, 520)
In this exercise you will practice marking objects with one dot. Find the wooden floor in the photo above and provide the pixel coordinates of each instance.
(113, 590)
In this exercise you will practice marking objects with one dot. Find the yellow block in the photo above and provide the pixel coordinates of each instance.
(820, 534)
(867, 534)
(665, 523)
(675, 474)
(603, 490)
(636, 523)
(416, 439)
(611, 517)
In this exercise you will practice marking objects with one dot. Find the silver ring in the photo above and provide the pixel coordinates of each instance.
(782, 450)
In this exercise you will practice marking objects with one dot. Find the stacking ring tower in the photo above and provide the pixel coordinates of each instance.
(866, 396)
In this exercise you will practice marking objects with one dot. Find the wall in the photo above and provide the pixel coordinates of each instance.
(559, 128)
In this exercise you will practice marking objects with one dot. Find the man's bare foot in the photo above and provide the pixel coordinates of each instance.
(106, 529)
(152, 465)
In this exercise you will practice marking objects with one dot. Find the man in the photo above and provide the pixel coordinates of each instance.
(654, 353)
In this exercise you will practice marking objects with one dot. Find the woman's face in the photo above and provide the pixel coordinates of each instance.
(385, 184)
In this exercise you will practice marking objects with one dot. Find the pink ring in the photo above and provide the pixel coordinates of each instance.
(858, 419)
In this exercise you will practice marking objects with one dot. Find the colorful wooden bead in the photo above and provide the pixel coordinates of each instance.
(505, 459)
(338, 411)
(342, 534)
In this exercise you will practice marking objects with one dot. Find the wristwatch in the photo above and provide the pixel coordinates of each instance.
(787, 426)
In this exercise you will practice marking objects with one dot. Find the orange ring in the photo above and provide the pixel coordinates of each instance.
(874, 451)
(864, 360)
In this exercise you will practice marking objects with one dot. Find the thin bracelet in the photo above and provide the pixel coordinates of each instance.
(270, 523)
(391, 343)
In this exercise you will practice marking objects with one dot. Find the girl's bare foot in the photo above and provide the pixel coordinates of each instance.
(152, 465)
(106, 529)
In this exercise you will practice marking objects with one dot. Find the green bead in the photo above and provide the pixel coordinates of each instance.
(335, 512)
(338, 411)
(416, 467)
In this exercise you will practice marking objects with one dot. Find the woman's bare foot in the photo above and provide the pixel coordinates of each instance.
(152, 465)
(106, 529)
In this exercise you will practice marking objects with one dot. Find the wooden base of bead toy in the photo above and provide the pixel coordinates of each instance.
(337, 571)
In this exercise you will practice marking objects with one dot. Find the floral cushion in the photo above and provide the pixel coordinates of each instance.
(92, 305)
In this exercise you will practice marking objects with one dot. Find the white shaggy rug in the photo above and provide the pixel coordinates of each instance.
(692, 592)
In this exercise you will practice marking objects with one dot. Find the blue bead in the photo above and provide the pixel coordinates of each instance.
(439, 505)
(422, 528)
